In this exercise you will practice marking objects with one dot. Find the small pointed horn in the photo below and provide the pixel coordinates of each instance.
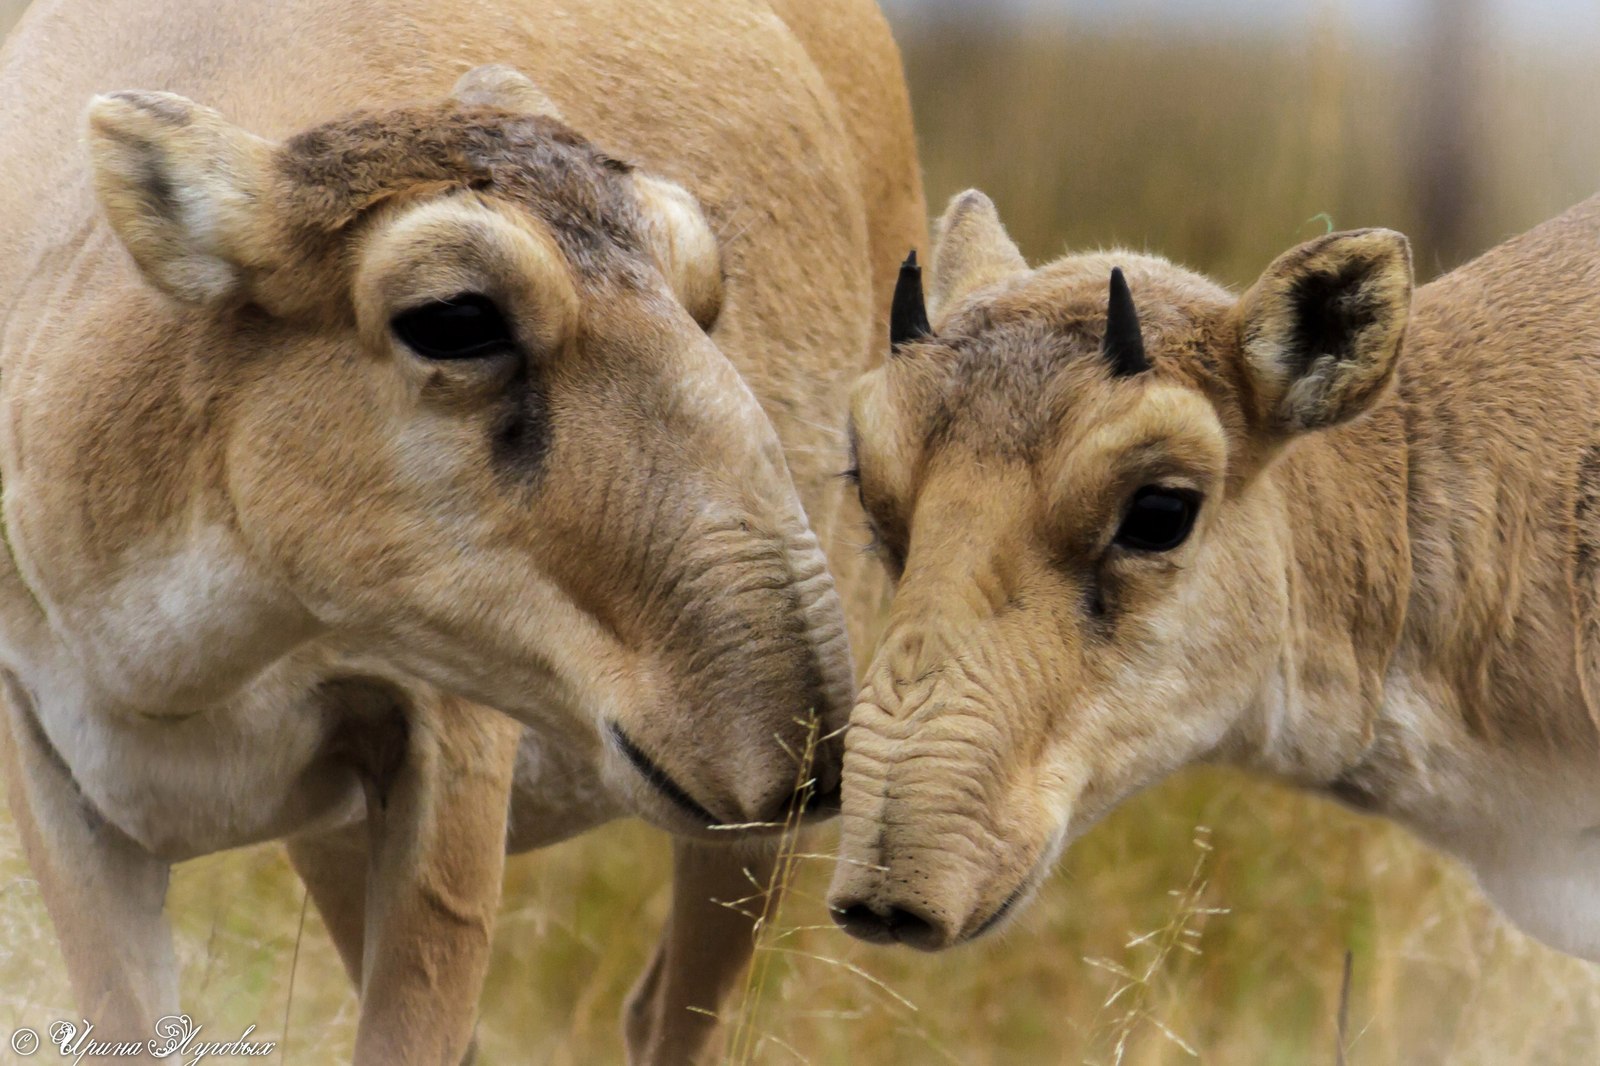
(1123, 344)
(908, 313)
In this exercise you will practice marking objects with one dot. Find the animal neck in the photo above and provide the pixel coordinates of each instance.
(1340, 497)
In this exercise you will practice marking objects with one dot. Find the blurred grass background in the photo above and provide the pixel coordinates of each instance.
(1219, 145)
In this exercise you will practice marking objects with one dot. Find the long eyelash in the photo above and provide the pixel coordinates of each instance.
(874, 544)
(853, 475)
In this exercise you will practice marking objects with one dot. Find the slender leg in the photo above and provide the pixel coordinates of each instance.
(333, 866)
(436, 852)
(672, 1010)
(334, 869)
(104, 892)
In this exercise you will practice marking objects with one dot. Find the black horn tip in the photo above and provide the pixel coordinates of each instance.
(908, 313)
(1124, 343)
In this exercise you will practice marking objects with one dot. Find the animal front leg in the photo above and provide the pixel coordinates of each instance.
(333, 866)
(672, 1010)
(105, 894)
(437, 828)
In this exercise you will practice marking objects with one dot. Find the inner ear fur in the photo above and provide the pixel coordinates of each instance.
(181, 187)
(1320, 331)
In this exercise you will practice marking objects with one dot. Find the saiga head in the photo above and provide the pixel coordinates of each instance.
(1065, 475)
(473, 422)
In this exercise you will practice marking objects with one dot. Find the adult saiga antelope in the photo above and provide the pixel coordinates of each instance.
(1324, 529)
(329, 420)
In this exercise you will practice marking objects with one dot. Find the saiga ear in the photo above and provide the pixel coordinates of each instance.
(676, 231)
(1320, 331)
(971, 249)
(683, 244)
(497, 85)
(183, 189)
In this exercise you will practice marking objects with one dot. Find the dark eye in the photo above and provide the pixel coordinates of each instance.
(462, 327)
(1158, 520)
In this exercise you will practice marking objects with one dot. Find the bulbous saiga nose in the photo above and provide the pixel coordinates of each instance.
(813, 799)
(892, 923)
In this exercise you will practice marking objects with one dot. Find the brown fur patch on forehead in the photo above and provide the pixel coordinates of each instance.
(1068, 297)
(1016, 361)
(336, 172)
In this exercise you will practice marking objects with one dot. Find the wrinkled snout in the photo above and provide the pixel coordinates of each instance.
(918, 864)
(941, 835)
(756, 679)
(777, 665)
(718, 588)
(744, 636)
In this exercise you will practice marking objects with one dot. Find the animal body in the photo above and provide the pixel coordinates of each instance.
(1327, 529)
(366, 366)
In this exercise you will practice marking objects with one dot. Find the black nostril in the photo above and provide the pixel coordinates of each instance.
(805, 800)
(908, 925)
(884, 925)
(813, 801)
(860, 920)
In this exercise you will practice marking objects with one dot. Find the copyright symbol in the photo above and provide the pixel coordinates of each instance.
(24, 1041)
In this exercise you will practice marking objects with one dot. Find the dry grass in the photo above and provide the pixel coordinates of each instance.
(1220, 153)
